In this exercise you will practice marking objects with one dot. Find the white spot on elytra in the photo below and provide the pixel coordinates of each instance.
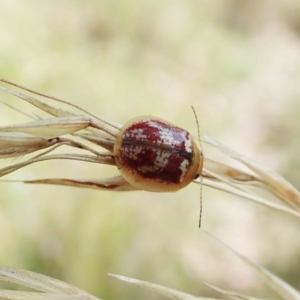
(160, 162)
(188, 145)
(162, 158)
(166, 136)
(183, 167)
(137, 133)
(132, 152)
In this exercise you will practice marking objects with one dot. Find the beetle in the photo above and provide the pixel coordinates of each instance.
(150, 153)
(157, 156)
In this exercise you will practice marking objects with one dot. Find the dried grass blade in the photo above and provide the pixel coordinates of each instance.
(283, 289)
(105, 142)
(112, 124)
(234, 187)
(231, 176)
(14, 144)
(39, 282)
(108, 160)
(50, 128)
(229, 294)
(20, 140)
(233, 190)
(18, 110)
(57, 112)
(161, 290)
(231, 173)
(117, 184)
(276, 182)
(19, 295)
(96, 122)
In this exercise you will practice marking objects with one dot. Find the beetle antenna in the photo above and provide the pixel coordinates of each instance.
(200, 176)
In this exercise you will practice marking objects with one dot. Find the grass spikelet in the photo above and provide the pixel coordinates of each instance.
(159, 289)
(94, 139)
(47, 287)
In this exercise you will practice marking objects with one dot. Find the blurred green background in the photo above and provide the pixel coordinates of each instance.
(237, 62)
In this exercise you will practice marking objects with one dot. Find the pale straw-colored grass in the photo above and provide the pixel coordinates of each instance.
(49, 133)
(49, 288)
(44, 135)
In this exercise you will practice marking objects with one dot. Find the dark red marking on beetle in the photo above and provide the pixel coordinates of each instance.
(156, 150)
